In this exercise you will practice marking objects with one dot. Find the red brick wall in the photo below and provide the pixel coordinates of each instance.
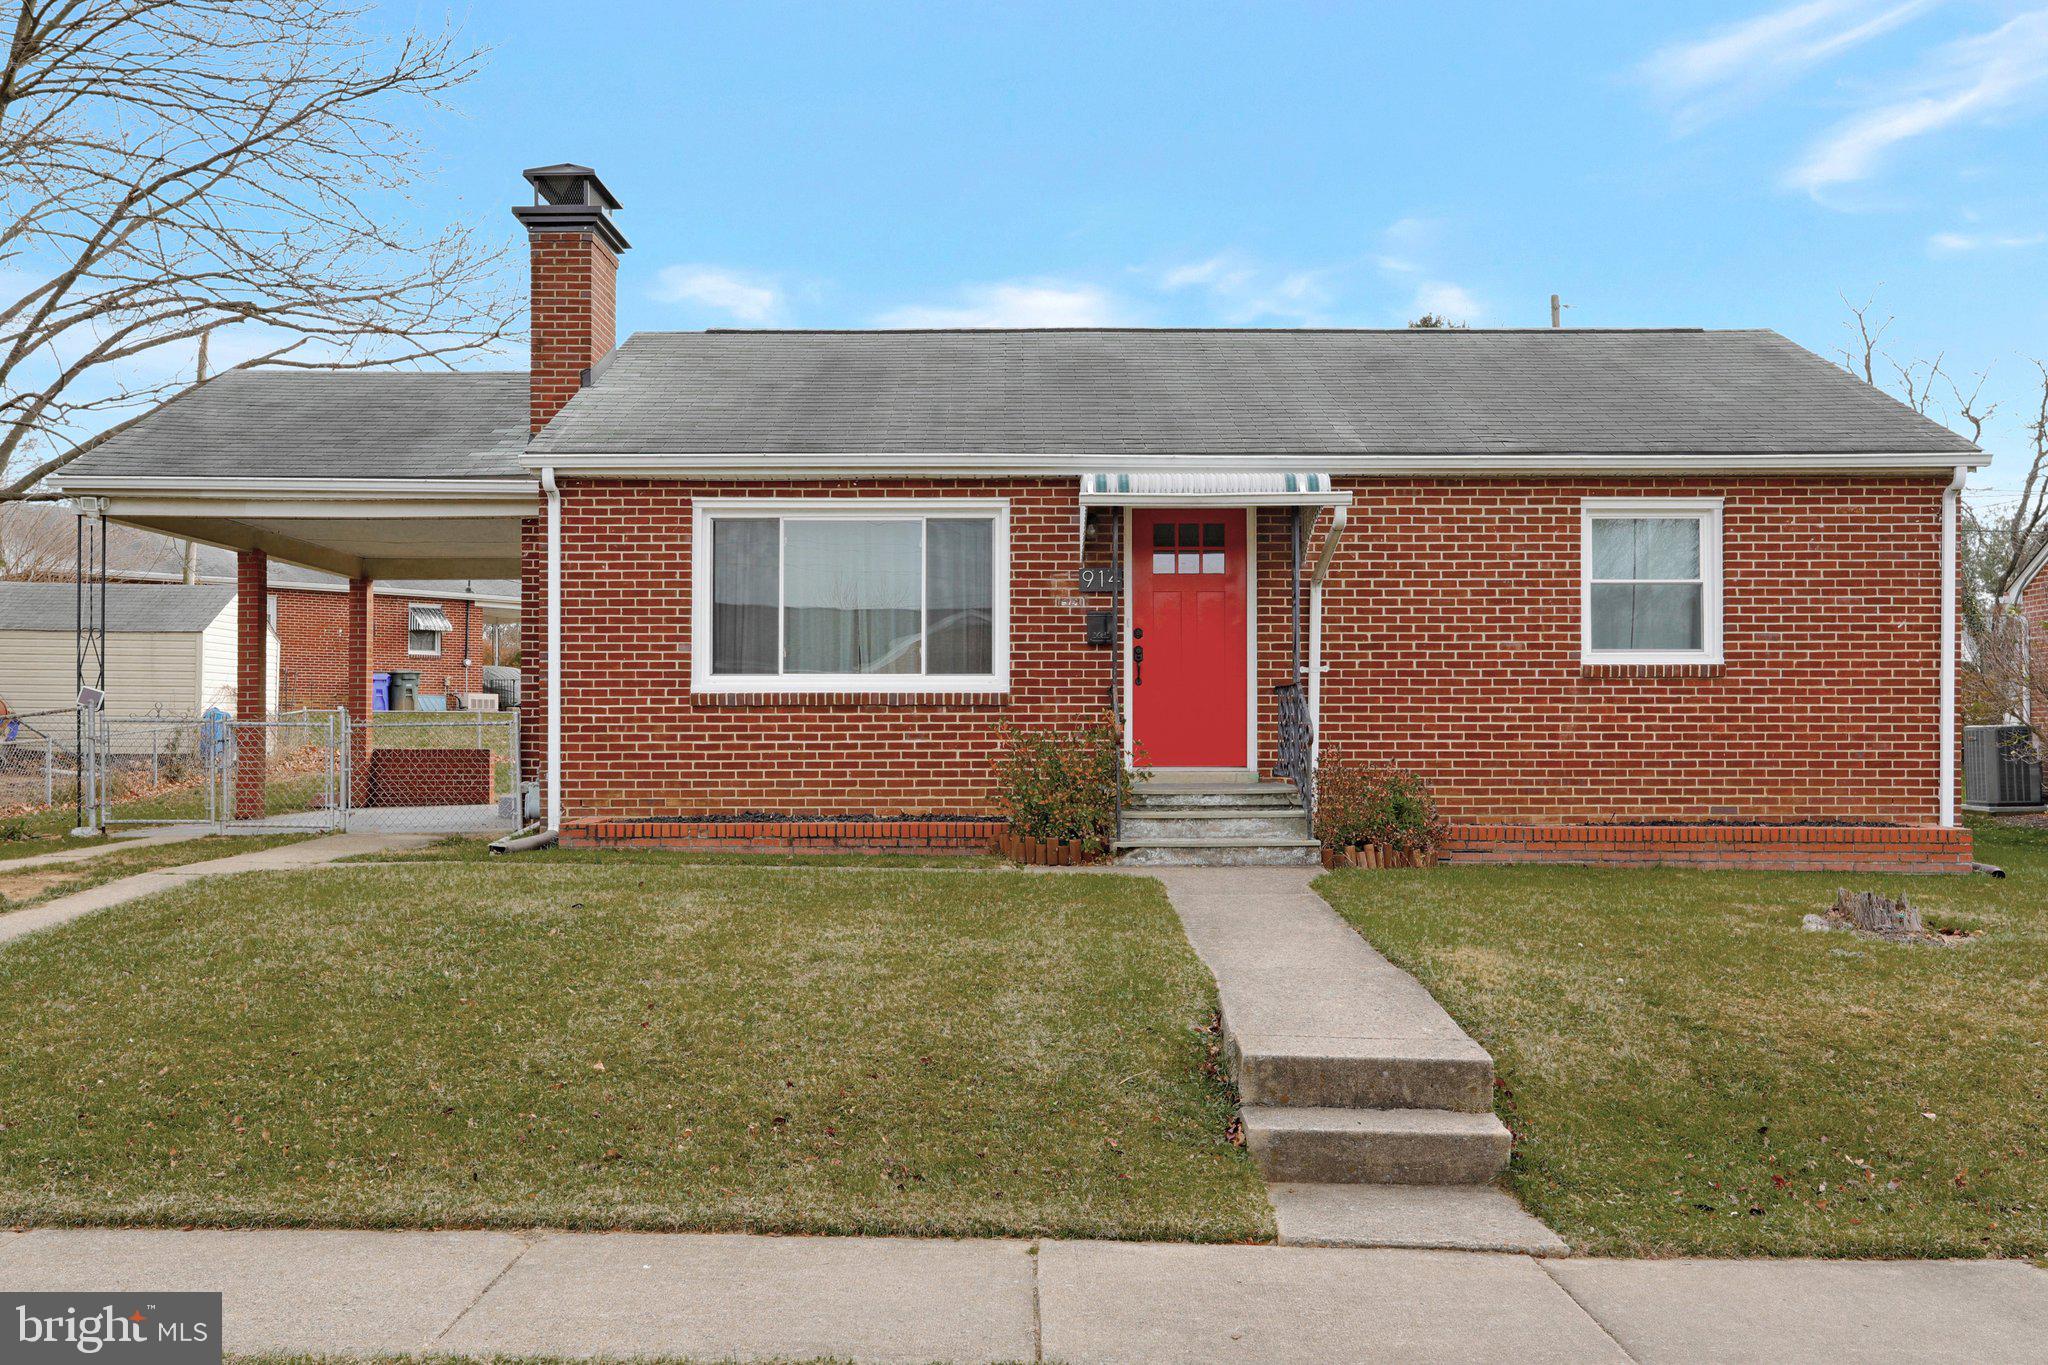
(573, 301)
(637, 743)
(1451, 635)
(312, 632)
(2034, 605)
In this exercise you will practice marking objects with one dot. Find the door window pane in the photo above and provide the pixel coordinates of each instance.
(852, 596)
(1163, 560)
(744, 590)
(959, 596)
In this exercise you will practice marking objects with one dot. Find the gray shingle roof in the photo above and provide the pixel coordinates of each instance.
(313, 424)
(1212, 392)
(131, 607)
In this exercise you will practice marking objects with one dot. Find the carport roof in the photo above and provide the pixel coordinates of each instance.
(324, 425)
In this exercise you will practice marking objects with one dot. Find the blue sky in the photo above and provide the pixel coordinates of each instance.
(1282, 164)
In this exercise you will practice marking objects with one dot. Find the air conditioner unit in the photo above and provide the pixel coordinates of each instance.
(479, 701)
(2001, 769)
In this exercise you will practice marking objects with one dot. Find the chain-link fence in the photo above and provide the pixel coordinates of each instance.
(439, 771)
(38, 762)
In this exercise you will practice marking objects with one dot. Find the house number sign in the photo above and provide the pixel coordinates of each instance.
(1108, 578)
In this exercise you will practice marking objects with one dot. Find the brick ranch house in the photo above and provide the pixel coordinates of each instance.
(435, 629)
(1619, 595)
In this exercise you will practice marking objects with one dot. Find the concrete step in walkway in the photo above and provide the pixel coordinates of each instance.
(1217, 821)
(724, 1297)
(285, 857)
(1350, 1073)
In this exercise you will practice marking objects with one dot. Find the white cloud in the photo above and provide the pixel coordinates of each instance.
(1243, 292)
(1957, 243)
(1452, 302)
(742, 297)
(1018, 303)
(1706, 77)
(1967, 81)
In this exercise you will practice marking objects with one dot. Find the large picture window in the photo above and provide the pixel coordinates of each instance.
(868, 595)
(1650, 580)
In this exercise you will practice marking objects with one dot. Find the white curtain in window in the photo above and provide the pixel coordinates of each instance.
(959, 597)
(852, 596)
(745, 588)
(1647, 590)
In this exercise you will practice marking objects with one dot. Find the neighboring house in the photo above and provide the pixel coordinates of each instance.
(2030, 596)
(171, 649)
(1619, 595)
(435, 629)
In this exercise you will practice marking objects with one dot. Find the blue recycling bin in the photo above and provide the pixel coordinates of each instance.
(380, 691)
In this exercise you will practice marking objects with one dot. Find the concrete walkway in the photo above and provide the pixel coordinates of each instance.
(1365, 1105)
(311, 853)
(120, 843)
(899, 1299)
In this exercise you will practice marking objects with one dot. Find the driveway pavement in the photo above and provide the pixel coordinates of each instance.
(902, 1299)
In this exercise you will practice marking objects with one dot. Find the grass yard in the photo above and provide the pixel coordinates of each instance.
(709, 1048)
(33, 885)
(468, 848)
(1687, 1071)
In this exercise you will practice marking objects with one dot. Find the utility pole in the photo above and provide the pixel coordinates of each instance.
(191, 574)
(1556, 311)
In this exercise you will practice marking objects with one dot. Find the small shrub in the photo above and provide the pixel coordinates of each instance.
(1063, 784)
(15, 830)
(1375, 804)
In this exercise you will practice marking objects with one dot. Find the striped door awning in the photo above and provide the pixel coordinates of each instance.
(1208, 488)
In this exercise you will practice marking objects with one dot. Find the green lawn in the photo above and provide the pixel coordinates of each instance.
(1687, 1071)
(33, 885)
(468, 848)
(707, 1048)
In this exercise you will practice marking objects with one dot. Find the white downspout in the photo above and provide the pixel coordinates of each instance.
(1339, 514)
(554, 795)
(1951, 500)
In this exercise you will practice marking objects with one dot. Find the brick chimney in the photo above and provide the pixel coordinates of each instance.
(575, 252)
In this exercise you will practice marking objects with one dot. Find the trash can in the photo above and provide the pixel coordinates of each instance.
(405, 690)
(380, 691)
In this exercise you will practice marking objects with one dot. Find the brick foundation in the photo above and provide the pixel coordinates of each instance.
(1756, 848)
(786, 836)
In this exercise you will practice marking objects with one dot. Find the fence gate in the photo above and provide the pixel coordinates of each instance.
(287, 773)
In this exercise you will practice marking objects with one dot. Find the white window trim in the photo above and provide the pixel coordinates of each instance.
(433, 653)
(1706, 511)
(702, 679)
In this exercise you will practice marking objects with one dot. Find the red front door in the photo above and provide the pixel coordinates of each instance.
(1188, 681)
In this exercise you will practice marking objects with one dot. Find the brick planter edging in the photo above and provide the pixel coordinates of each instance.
(1037, 852)
(1785, 848)
(943, 835)
(1373, 856)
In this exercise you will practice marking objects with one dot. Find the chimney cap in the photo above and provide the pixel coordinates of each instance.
(568, 183)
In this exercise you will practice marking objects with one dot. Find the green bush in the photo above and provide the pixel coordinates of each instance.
(1375, 804)
(1063, 784)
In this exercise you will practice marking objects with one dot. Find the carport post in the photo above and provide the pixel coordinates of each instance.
(252, 682)
(359, 691)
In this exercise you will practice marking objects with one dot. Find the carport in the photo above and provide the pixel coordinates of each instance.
(366, 475)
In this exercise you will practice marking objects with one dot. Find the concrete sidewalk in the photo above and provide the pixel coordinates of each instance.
(120, 843)
(898, 1299)
(311, 853)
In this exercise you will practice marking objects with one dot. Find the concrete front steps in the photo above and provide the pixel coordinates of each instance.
(1216, 818)
(1366, 1108)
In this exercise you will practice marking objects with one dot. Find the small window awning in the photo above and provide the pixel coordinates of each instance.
(431, 618)
(1199, 488)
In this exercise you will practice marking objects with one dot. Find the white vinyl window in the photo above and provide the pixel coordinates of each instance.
(424, 628)
(1650, 580)
(852, 595)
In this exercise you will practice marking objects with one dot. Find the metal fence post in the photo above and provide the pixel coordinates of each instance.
(49, 770)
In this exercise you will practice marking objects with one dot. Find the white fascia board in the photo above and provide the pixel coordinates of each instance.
(151, 496)
(823, 465)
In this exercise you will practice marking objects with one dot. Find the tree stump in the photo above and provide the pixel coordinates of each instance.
(1876, 914)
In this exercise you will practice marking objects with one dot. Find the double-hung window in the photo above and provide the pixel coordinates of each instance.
(851, 595)
(1650, 580)
(425, 625)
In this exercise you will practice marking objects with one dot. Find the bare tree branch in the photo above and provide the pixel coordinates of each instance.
(218, 173)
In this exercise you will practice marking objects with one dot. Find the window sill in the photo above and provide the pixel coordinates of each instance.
(836, 701)
(1704, 668)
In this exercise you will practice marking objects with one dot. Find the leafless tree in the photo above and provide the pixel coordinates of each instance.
(174, 169)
